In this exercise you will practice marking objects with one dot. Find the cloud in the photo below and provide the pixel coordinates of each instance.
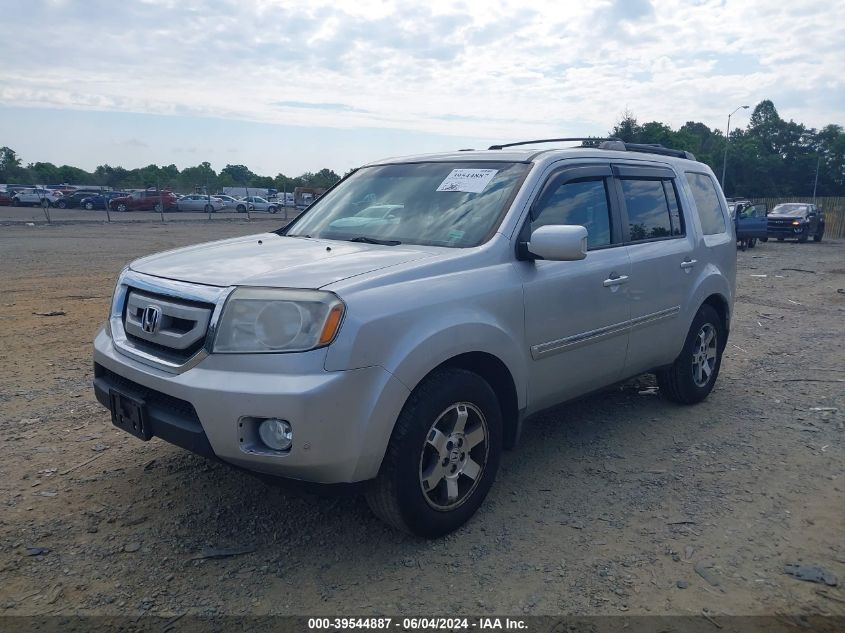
(488, 70)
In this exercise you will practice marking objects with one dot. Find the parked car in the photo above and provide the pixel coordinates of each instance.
(256, 203)
(199, 202)
(36, 197)
(796, 220)
(398, 359)
(5, 198)
(149, 200)
(229, 202)
(74, 199)
(750, 221)
(100, 200)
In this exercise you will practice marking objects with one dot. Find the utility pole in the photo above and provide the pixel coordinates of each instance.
(727, 139)
(816, 182)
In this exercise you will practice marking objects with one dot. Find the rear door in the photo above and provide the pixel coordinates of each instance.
(660, 249)
(576, 312)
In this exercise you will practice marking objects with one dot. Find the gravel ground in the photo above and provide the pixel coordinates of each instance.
(618, 503)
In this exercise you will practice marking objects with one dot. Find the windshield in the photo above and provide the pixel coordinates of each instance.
(441, 204)
(792, 210)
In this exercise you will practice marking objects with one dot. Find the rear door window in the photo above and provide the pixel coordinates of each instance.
(706, 197)
(651, 205)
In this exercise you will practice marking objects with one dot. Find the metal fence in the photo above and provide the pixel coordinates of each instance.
(832, 207)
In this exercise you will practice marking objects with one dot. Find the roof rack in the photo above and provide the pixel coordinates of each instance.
(554, 140)
(611, 143)
(648, 148)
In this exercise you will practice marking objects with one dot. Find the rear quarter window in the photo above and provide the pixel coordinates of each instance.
(706, 196)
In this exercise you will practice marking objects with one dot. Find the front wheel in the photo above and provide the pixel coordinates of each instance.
(442, 457)
(240, 208)
(121, 207)
(89, 206)
(691, 377)
(61, 204)
(819, 235)
(209, 208)
(752, 242)
(159, 208)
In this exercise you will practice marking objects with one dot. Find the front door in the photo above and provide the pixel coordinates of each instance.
(576, 312)
(752, 221)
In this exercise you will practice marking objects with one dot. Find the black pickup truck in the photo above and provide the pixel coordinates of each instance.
(796, 220)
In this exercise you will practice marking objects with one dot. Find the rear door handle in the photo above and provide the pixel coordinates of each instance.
(615, 280)
(688, 263)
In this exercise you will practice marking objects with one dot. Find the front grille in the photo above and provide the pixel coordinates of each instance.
(181, 326)
(153, 399)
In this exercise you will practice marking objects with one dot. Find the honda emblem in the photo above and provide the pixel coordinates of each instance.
(151, 319)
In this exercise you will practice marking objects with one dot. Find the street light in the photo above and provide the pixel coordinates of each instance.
(727, 138)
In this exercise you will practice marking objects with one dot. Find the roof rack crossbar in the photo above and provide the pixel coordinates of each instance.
(553, 140)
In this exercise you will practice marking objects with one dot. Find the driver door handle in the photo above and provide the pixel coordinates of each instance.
(688, 263)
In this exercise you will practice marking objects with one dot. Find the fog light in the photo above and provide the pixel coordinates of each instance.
(276, 434)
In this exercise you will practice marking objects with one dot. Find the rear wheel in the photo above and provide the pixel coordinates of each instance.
(89, 206)
(159, 208)
(62, 204)
(691, 377)
(121, 207)
(819, 235)
(752, 242)
(240, 208)
(442, 457)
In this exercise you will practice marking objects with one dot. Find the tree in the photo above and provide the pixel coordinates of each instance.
(10, 165)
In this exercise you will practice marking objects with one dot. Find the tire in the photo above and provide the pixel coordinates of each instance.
(802, 238)
(121, 207)
(240, 208)
(686, 381)
(273, 209)
(752, 242)
(61, 204)
(89, 206)
(159, 208)
(819, 235)
(444, 400)
(209, 208)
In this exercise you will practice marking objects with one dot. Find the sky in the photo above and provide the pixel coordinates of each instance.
(296, 86)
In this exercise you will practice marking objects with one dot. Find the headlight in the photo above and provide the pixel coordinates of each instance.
(278, 320)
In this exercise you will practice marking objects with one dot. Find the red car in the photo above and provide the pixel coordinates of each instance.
(145, 201)
(5, 199)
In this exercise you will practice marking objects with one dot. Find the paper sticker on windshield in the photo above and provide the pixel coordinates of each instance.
(467, 180)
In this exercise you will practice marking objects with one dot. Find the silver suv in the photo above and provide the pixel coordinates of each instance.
(398, 333)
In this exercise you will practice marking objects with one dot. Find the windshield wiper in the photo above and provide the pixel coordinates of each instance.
(372, 240)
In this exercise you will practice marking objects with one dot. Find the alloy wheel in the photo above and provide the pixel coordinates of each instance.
(704, 355)
(454, 455)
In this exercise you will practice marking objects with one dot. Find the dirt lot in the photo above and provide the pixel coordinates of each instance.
(620, 503)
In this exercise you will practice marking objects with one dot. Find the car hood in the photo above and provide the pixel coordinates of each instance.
(268, 259)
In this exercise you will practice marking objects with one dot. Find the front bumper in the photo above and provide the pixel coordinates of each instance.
(342, 420)
(787, 230)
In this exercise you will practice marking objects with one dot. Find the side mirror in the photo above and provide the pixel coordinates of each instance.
(561, 243)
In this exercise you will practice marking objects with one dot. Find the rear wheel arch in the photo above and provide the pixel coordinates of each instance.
(719, 303)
